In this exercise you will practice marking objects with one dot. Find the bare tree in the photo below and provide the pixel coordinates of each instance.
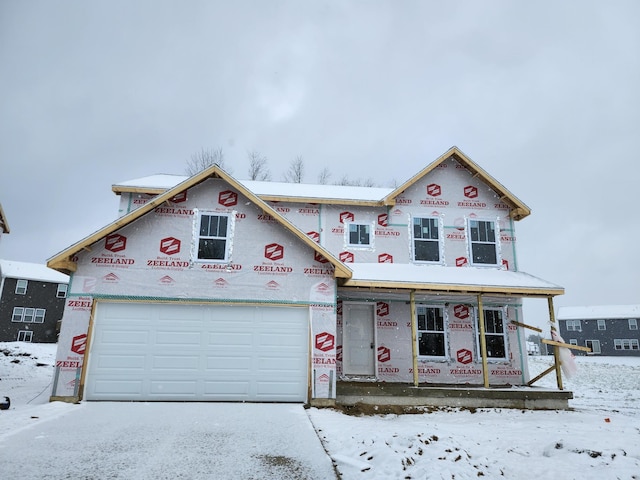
(204, 159)
(358, 182)
(295, 174)
(323, 176)
(258, 169)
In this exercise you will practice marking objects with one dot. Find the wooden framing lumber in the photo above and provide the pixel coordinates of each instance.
(565, 345)
(524, 325)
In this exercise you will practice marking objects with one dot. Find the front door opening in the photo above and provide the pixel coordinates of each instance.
(358, 339)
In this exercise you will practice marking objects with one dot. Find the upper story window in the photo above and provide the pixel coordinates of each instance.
(21, 287)
(574, 326)
(484, 247)
(495, 334)
(359, 234)
(426, 239)
(432, 340)
(602, 325)
(62, 290)
(633, 324)
(28, 315)
(214, 236)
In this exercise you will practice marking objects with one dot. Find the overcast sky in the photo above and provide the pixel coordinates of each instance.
(544, 95)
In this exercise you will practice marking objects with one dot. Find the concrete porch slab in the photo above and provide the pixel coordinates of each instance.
(381, 393)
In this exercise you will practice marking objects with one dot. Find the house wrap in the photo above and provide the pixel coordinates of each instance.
(210, 288)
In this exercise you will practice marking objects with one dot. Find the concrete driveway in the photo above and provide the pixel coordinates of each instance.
(122, 440)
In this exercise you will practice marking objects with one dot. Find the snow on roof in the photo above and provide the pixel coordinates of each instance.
(268, 189)
(599, 312)
(476, 279)
(31, 271)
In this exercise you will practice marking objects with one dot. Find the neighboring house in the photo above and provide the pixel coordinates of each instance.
(606, 330)
(32, 299)
(210, 288)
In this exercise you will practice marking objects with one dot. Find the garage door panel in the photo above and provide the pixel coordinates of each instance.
(188, 352)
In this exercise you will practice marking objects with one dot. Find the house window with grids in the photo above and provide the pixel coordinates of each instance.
(495, 334)
(574, 326)
(432, 337)
(214, 233)
(484, 246)
(633, 324)
(62, 290)
(426, 239)
(602, 325)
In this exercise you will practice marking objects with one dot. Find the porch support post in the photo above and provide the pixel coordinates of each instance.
(483, 344)
(556, 349)
(414, 337)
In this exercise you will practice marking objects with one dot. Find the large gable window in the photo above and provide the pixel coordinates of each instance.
(431, 332)
(484, 247)
(426, 240)
(214, 236)
(495, 334)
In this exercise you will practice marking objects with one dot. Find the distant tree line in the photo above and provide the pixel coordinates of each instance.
(259, 168)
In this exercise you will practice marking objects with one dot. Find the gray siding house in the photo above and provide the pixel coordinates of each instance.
(32, 300)
(607, 329)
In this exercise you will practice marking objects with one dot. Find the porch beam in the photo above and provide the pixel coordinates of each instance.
(414, 337)
(483, 344)
(556, 348)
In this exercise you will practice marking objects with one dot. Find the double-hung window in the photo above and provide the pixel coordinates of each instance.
(574, 326)
(633, 324)
(426, 239)
(602, 324)
(484, 246)
(495, 334)
(432, 341)
(21, 287)
(62, 290)
(359, 234)
(214, 235)
(18, 313)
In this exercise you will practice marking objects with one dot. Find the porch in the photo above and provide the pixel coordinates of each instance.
(352, 393)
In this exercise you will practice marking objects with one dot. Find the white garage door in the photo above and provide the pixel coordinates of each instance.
(152, 351)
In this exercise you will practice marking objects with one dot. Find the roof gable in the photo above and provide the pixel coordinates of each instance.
(518, 208)
(63, 260)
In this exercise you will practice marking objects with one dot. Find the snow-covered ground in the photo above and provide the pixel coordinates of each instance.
(598, 439)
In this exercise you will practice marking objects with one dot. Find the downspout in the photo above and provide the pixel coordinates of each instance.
(414, 337)
(483, 344)
(556, 349)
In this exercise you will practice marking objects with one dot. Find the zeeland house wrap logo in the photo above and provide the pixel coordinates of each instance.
(175, 207)
(384, 356)
(274, 261)
(464, 356)
(169, 246)
(114, 244)
(324, 349)
(433, 193)
(471, 193)
(77, 350)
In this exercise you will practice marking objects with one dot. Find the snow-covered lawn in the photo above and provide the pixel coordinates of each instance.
(598, 439)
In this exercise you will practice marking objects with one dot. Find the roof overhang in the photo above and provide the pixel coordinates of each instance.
(436, 279)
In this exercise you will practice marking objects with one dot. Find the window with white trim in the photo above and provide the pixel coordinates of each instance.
(495, 333)
(359, 234)
(28, 315)
(633, 324)
(573, 341)
(484, 246)
(21, 287)
(594, 345)
(432, 336)
(426, 239)
(602, 325)
(25, 335)
(214, 236)
(574, 325)
(62, 290)
(626, 344)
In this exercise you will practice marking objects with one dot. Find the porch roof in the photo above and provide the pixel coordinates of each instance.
(440, 279)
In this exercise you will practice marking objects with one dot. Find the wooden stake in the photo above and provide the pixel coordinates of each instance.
(556, 349)
(524, 325)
